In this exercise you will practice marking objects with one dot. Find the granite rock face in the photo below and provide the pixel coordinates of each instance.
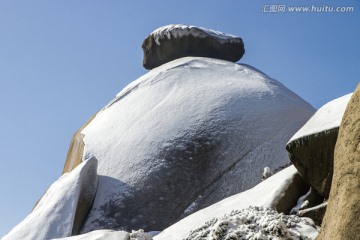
(341, 219)
(311, 149)
(176, 41)
(183, 137)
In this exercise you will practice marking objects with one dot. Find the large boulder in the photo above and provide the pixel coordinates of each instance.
(63, 208)
(341, 219)
(176, 41)
(311, 149)
(184, 136)
(279, 192)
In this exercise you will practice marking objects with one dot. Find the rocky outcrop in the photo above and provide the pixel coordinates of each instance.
(184, 136)
(63, 208)
(341, 219)
(176, 41)
(311, 149)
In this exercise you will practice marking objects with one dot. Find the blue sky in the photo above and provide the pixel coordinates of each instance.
(61, 61)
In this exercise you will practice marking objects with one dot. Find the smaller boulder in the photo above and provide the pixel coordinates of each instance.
(267, 173)
(176, 41)
(63, 208)
(311, 149)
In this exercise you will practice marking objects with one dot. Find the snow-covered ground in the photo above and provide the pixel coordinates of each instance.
(256, 223)
(236, 211)
(327, 117)
(187, 134)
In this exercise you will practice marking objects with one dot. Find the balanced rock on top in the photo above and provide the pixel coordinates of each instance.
(175, 41)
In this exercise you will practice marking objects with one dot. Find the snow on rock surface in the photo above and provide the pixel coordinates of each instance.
(175, 41)
(187, 134)
(244, 211)
(311, 149)
(327, 117)
(58, 210)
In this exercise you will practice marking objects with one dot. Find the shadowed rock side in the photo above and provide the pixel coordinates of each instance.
(88, 182)
(290, 195)
(177, 41)
(341, 219)
(313, 157)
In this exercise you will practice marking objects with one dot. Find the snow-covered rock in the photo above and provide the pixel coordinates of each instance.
(186, 135)
(311, 149)
(267, 173)
(268, 194)
(62, 209)
(175, 41)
